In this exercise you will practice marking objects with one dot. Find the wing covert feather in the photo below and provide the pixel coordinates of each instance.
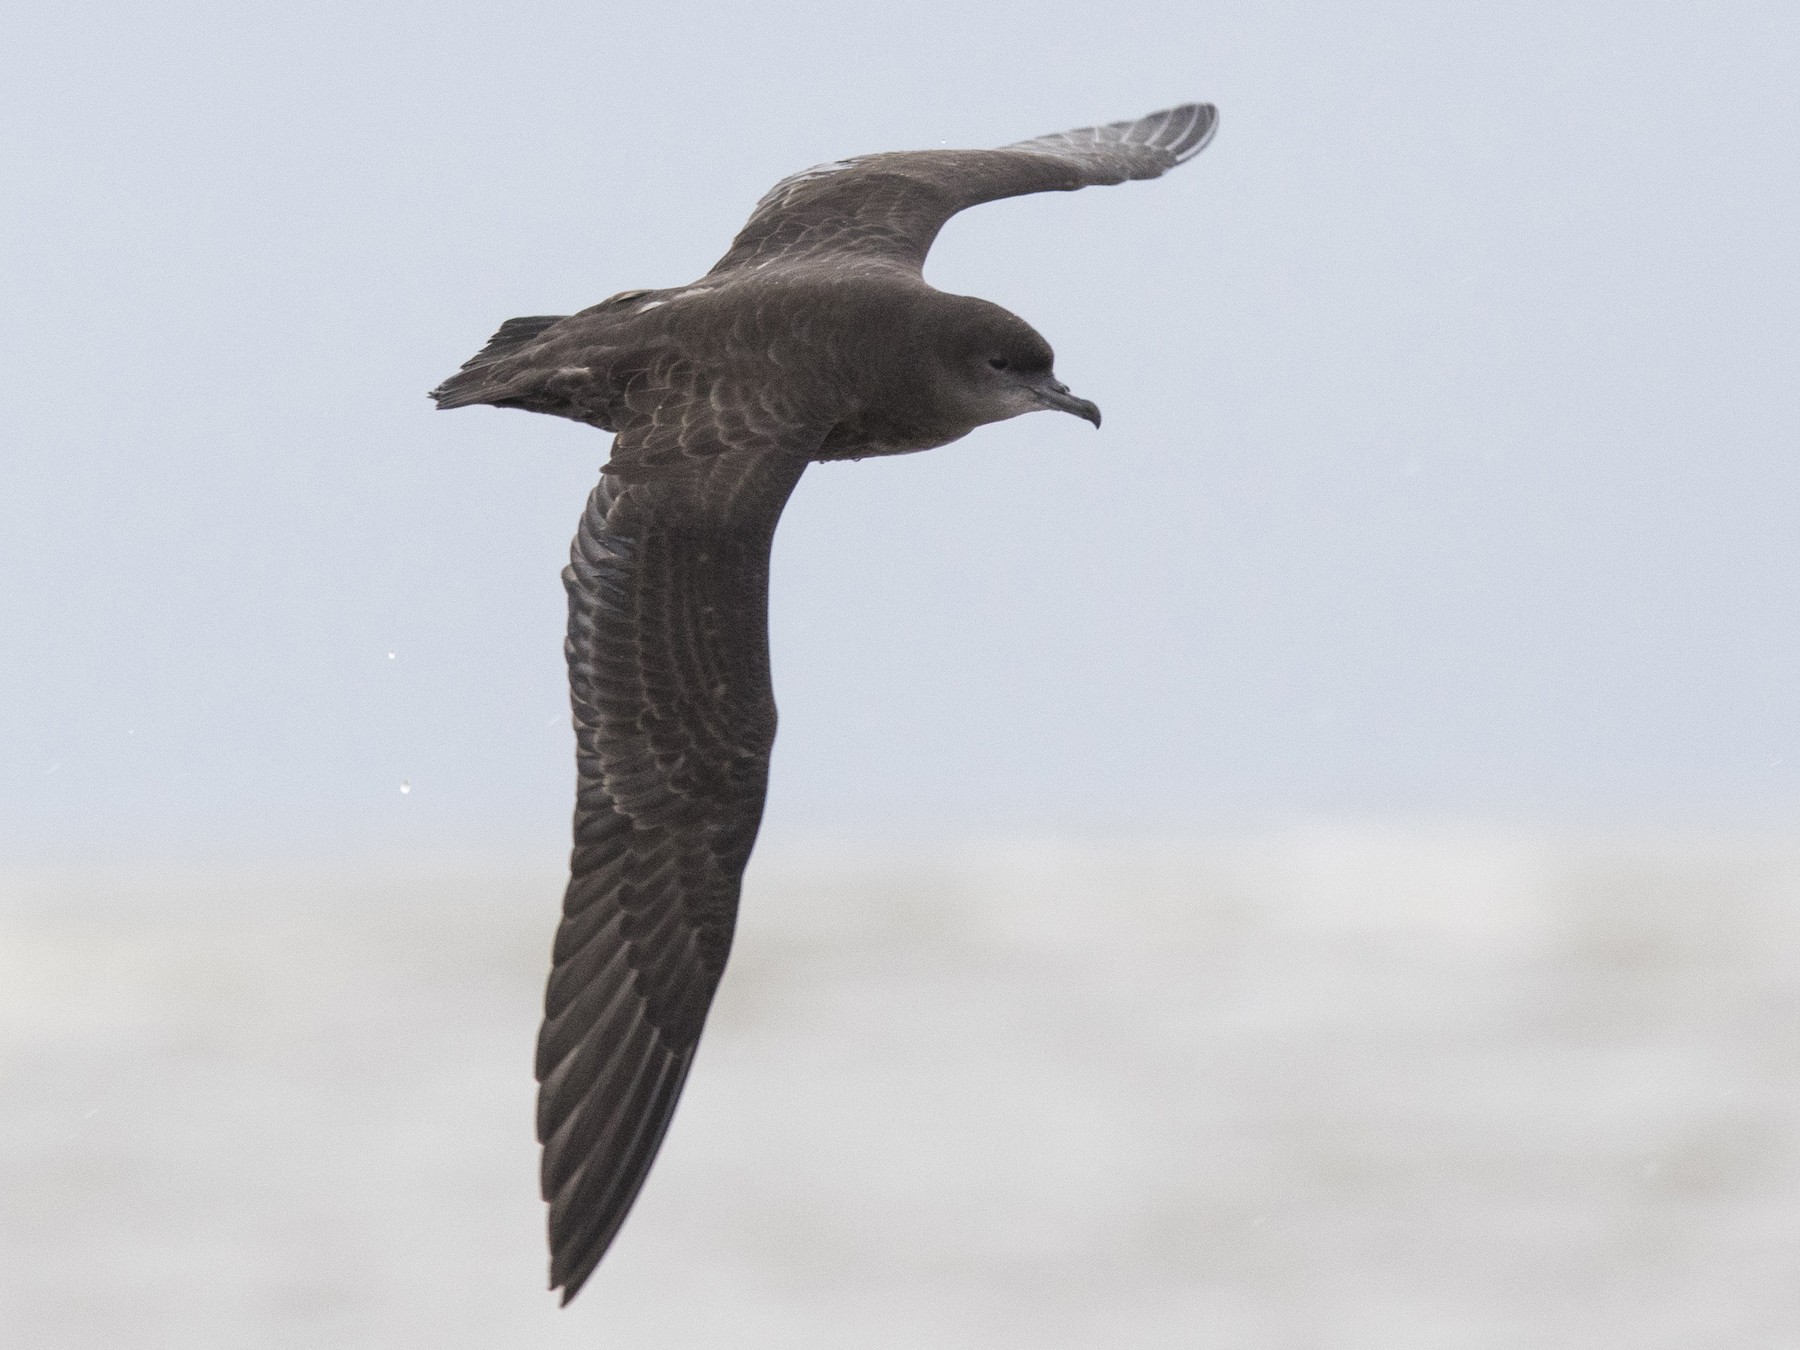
(677, 408)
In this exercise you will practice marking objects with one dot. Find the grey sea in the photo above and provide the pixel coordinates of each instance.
(1345, 1087)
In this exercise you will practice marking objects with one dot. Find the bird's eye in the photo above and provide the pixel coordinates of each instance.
(997, 362)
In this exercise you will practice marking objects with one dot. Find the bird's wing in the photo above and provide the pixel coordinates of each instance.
(888, 208)
(674, 720)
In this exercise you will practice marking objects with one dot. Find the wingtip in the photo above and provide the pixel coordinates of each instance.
(572, 1280)
(1179, 133)
(566, 1281)
(1199, 123)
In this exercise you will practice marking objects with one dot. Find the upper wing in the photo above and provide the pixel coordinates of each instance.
(889, 208)
(674, 719)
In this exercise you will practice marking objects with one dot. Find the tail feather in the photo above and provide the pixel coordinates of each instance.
(474, 382)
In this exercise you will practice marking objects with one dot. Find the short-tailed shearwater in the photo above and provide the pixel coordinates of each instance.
(815, 337)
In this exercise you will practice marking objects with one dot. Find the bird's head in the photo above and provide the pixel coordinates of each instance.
(1000, 366)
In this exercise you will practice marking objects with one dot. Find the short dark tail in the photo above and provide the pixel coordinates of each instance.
(475, 382)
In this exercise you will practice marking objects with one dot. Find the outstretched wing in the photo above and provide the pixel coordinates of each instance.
(888, 208)
(674, 720)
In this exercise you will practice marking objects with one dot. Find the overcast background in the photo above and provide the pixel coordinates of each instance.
(1311, 864)
(1449, 460)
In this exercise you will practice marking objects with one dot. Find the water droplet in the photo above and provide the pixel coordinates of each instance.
(405, 788)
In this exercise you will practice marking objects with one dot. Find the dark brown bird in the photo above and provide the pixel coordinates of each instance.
(814, 338)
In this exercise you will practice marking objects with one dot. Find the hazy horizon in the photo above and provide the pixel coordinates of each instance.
(1344, 1089)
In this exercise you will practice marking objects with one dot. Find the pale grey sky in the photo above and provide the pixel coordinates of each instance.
(1449, 465)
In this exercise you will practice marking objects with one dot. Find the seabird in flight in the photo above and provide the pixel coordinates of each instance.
(816, 337)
